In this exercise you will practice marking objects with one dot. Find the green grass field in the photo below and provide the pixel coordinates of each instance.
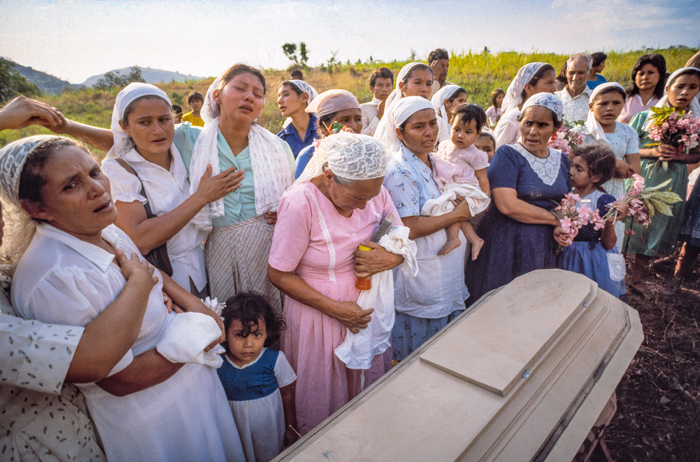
(478, 73)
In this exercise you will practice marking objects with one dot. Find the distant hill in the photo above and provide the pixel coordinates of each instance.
(149, 75)
(47, 83)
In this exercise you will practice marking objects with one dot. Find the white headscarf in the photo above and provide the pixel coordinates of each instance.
(267, 157)
(397, 114)
(332, 101)
(20, 228)
(439, 98)
(593, 127)
(305, 88)
(512, 99)
(396, 94)
(349, 156)
(123, 143)
(693, 107)
(547, 100)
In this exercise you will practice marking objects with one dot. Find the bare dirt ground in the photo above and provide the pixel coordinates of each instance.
(658, 416)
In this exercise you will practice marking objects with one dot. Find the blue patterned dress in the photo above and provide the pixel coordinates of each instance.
(426, 303)
(512, 248)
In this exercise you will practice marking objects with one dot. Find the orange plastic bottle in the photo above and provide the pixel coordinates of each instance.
(363, 283)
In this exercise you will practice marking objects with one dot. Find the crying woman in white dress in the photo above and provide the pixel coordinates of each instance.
(149, 407)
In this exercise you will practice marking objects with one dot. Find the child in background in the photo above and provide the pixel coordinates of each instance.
(459, 161)
(486, 143)
(259, 382)
(381, 83)
(177, 113)
(602, 127)
(593, 252)
(495, 111)
(196, 101)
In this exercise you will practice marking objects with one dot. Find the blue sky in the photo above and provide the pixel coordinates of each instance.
(74, 39)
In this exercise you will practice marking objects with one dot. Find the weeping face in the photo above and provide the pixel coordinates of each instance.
(348, 196)
(75, 197)
(241, 100)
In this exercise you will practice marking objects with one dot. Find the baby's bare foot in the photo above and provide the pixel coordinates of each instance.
(476, 248)
(449, 246)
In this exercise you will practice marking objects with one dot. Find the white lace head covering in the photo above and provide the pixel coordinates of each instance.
(397, 114)
(332, 101)
(349, 156)
(305, 88)
(515, 89)
(267, 157)
(123, 143)
(396, 94)
(439, 98)
(547, 100)
(19, 227)
(593, 127)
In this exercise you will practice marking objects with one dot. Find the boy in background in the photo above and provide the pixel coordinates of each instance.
(196, 101)
(381, 83)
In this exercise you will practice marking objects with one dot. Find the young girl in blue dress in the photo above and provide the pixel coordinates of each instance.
(259, 382)
(593, 253)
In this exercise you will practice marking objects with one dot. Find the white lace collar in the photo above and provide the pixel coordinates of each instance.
(547, 169)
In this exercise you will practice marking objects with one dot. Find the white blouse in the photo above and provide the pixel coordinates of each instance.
(166, 190)
(62, 279)
(508, 128)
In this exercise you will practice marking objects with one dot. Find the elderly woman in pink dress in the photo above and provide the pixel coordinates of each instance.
(336, 205)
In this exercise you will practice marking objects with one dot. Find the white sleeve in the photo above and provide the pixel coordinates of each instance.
(126, 187)
(68, 296)
(283, 371)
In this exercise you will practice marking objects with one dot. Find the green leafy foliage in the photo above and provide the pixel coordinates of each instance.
(13, 84)
(114, 80)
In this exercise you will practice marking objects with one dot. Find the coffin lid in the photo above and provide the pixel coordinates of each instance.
(531, 319)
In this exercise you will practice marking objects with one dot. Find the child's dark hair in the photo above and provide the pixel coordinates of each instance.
(297, 75)
(467, 112)
(194, 96)
(611, 89)
(177, 109)
(249, 308)
(600, 160)
(381, 73)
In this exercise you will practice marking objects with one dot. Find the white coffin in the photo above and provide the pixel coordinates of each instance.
(522, 375)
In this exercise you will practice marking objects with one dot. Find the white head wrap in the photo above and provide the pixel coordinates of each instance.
(332, 101)
(439, 98)
(515, 89)
(593, 127)
(123, 143)
(267, 157)
(397, 114)
(20, 227)
(305, 88)
(693, 107)
(547, 100)
(396, 94)
(349, 156)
